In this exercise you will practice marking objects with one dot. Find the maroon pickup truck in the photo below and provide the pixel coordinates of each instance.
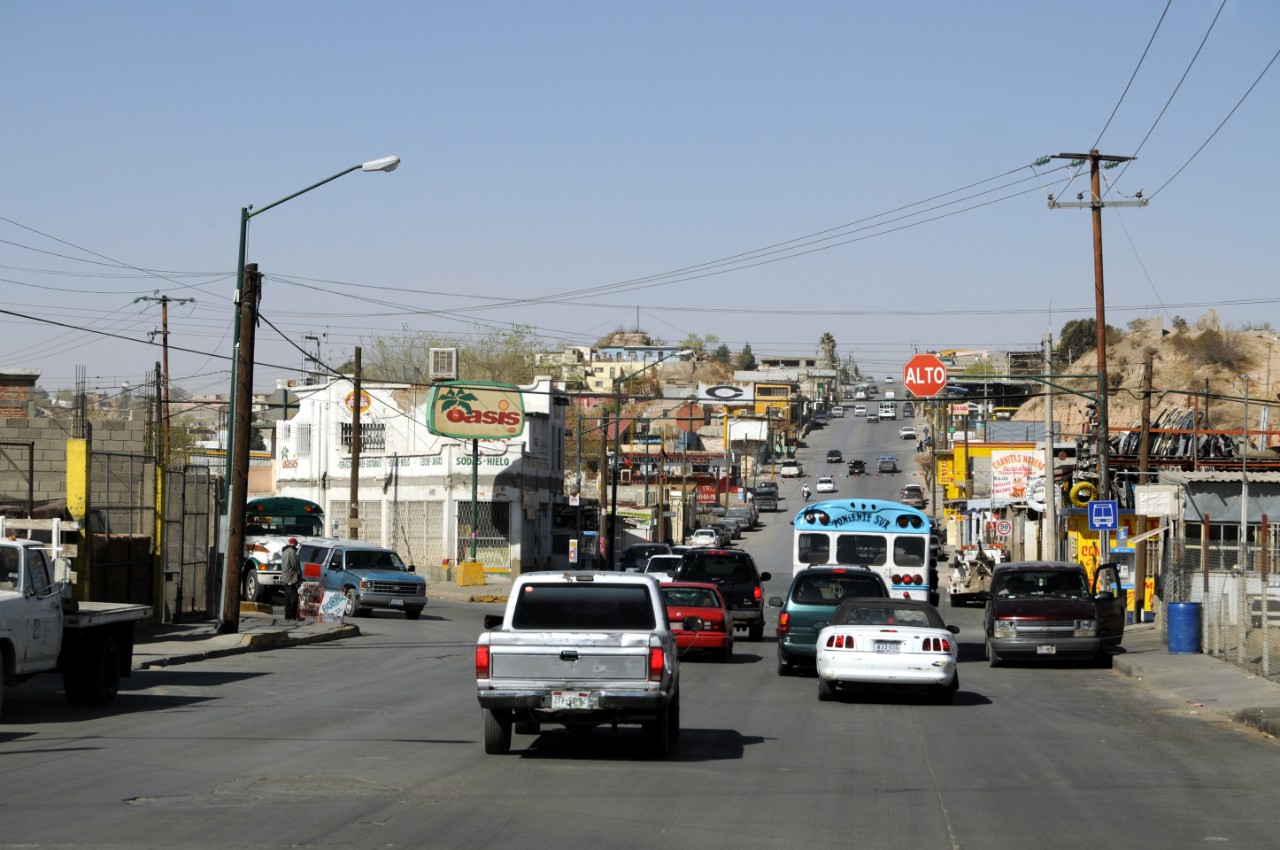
(1051, 610)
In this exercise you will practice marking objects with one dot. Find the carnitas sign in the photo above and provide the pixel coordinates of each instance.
(475, 410)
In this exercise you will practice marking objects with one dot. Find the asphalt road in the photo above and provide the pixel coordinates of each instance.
(375, 742)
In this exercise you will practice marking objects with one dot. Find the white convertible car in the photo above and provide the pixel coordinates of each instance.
(888, 643)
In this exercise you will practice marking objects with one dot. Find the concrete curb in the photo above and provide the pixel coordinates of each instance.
(259, 642)
(1265, 720)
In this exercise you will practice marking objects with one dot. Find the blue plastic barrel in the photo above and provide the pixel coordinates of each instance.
(1184, 627)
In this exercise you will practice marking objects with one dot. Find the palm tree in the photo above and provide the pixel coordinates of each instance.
(827, 345)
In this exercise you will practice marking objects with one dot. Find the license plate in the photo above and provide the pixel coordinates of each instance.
(561, 700)
(1046, 649)
(887, 646)
(397, 603)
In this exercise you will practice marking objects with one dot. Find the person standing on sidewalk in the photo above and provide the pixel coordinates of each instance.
(290, 577)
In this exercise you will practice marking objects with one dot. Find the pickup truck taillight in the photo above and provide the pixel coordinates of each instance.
(482, 662)
(657, 661)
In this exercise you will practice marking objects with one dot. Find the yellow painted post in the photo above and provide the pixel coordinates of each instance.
(159, 603)
(78, 507)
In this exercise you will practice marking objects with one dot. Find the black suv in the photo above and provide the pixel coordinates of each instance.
(857, 467)
(810, 603)
(834, 456)
(734, 572)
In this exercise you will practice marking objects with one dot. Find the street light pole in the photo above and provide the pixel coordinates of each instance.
(611, 543)
(238, 413)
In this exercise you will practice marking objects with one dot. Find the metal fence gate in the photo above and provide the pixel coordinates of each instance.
(493, 535)
(417, 532)
(122, 561)
(1240, 607)
(190, 531)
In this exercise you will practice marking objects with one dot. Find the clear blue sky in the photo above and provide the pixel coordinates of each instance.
(550, 148)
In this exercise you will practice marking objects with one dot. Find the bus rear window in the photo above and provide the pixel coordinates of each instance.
(862, 550)
(813, 549)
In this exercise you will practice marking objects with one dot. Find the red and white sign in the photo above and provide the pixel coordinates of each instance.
(924, 375)
(1004, 528)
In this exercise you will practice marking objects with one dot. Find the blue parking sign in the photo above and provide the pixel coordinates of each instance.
(1104, 515)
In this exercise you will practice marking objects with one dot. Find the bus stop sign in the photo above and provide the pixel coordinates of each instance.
(1104, 515)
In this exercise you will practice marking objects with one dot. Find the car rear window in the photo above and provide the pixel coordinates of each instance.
(831, 588)
(888, 616)
(584, 607)
(691, 597)
(716, 566)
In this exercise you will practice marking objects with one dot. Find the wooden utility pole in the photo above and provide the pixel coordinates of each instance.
(1096, 204)
(1049, 547)
(229, 621)
(1140, 521)
(353, 523)
(164, 301)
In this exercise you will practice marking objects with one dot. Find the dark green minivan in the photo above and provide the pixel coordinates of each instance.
(812, 599)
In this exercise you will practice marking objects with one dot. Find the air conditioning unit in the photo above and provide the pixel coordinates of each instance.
(442, 364)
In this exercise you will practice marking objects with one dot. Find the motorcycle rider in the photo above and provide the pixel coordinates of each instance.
(804, 491)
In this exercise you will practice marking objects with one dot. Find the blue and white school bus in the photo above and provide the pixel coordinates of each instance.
(888, 537)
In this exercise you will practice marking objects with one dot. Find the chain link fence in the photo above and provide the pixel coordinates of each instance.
(1238, 591)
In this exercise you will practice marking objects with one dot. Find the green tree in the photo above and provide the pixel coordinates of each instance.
(1078, 337)
(746, 359)
(722, 355)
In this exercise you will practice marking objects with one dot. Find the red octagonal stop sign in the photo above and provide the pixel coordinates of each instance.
(924, 375)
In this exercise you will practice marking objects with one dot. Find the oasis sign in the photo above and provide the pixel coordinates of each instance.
(475, 410)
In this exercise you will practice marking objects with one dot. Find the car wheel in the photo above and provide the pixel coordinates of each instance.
(252, 588)
(755, 632)
(989, 653)
(351, 609)
(726, 654)
(1103, 659)
(497, 731)
(413, 613)
(657, 734)
(785, 667)
(100, 673)
(826, 691)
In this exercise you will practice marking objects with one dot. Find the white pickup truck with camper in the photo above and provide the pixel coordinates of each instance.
(44, 630)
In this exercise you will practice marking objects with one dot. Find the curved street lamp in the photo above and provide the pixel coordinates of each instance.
(238, 411)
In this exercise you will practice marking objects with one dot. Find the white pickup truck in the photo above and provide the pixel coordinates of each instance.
(43, 631)
(580, 649)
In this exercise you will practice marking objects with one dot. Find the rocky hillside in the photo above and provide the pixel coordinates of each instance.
(1204, 359)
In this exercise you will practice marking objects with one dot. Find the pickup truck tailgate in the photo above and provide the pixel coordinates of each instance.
(569, 658)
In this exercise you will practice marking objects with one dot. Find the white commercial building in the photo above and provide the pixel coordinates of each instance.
(415, 488)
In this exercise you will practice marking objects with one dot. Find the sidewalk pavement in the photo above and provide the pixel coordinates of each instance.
(263, 628)
(1203, 684)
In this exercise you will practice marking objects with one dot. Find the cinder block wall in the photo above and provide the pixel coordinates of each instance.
(50, 438)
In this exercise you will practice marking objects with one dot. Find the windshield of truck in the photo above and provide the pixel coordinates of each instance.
(1022, 584)
(357, 559)
(584, 607)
